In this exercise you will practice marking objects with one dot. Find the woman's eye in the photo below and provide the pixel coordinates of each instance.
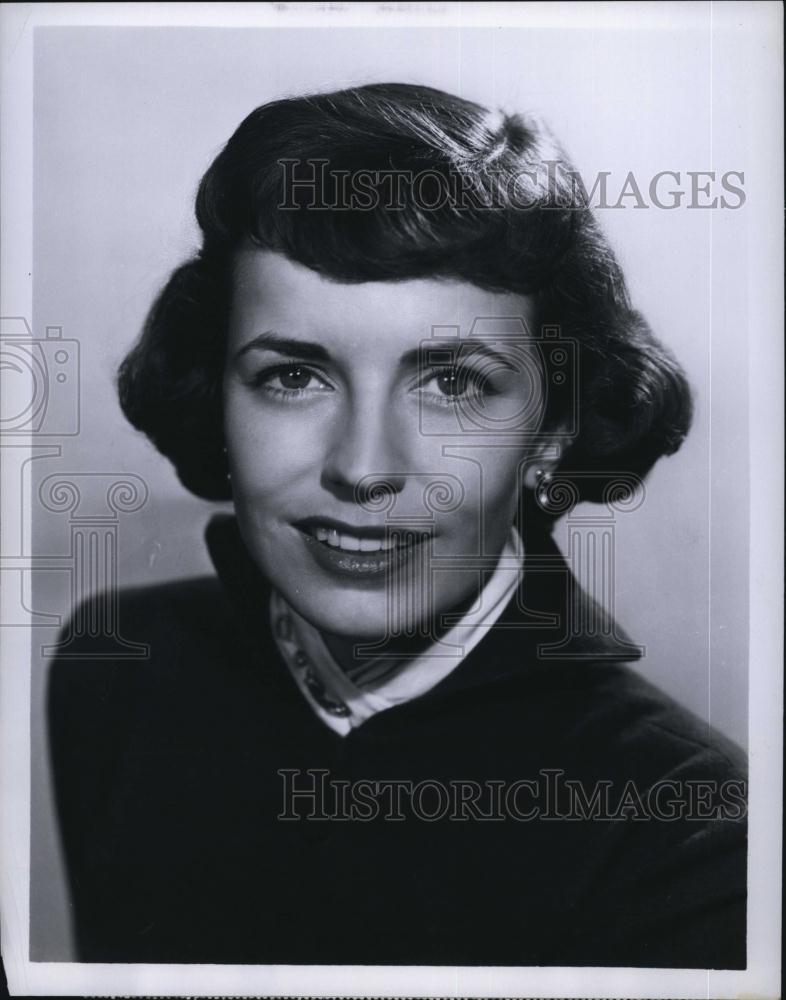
(290, 380)
(294, 378)
(449, 385)
(452, 382)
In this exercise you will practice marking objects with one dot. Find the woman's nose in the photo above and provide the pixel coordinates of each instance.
(365, 454)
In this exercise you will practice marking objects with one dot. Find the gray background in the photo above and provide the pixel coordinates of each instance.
(127, 120)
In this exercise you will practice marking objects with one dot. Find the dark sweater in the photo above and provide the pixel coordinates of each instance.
(169, 792)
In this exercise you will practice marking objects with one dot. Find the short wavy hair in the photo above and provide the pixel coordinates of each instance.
(634, 403)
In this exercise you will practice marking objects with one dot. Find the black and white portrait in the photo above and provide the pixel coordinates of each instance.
(388, 562)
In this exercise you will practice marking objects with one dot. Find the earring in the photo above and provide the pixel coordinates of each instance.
(228, 474)
(543, 482)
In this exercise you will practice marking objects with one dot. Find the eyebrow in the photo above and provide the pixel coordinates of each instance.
(270, 341)
(454, 348)
(312, 351)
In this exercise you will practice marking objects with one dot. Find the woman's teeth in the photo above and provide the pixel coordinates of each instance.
(351, 544)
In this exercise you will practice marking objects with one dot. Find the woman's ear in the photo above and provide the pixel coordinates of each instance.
(543, 458)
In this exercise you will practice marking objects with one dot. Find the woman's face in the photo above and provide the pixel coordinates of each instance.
(378, 436)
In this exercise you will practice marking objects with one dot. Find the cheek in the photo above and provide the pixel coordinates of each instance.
(270, 453)
(490, 482)
(502, 478)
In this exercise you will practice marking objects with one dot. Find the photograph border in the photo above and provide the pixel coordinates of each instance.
(765, 364)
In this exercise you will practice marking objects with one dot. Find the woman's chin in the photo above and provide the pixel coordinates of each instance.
(360, 617)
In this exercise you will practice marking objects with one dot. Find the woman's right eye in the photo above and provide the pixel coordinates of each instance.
(290, 381)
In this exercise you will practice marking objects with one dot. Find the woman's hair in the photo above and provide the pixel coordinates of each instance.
(390, 182)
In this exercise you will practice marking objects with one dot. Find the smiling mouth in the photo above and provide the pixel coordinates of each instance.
(360, 540)
(353, 543)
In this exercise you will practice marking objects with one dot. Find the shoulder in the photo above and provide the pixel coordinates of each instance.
(152, 668)
(113, 645)
(595, 720)
(600, 715)
(678, 829)
(178, 608)
(195, 600)
(649, 724)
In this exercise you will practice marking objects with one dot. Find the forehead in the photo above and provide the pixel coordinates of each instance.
(272, 292)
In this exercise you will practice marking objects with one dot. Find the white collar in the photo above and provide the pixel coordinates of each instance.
(344, 700)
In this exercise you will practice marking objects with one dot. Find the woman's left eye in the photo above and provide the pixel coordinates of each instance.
(454, 383)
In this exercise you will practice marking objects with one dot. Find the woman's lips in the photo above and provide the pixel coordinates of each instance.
(358, 552)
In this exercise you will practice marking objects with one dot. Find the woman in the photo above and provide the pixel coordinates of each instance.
(383, 736)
